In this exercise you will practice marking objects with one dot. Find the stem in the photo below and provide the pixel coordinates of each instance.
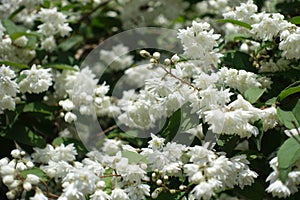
(93, 10)
(178, 78)
(294, 136)
(51, 195)
(107, 130)
(109, 175)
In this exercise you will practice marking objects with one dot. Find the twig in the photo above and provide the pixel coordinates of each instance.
(93, 10)
(178, 78)
(107, 130)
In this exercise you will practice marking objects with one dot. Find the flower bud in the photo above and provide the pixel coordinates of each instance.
(145, 54)
(11, 194)
(172, 191)
(15, 153)
(27, 186)
(175, 58)
(159, 182)
(167, 61)
(156, 192)
(156, 55)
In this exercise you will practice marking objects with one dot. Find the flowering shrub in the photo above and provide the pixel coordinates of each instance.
(88, 111)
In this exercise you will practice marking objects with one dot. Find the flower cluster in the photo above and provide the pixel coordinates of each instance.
(268, 26)
(15, 176)
(9, 88)
(215, 99)
(207, 171)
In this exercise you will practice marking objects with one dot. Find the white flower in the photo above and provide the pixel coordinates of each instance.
(100, 195)
(111, 146)
(289, 44)
(43, 155)
(119, 194)
(53, 22)
(279, 189)
(15, 153)
(292, 132)
(239, 79)
(33, 179)
(82, 92)
(242, 12)
(269, 26)
(79, 182)
(64, 153)
(36, 80)
(38, 195)
(48, 44)
(70, 117)
(66, 104)
(156, 143)
(138, 192)
(117, 59)
(21, 41)
(8, 88)
(199, 43)
(205, 190)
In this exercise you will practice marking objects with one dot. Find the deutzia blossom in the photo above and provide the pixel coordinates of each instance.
(269, 26)
(280, 188)
(53, 22)
(10, 52)
(290, 41)
(211, 173)
(100, 195)
(48, 43)
(77, 183)
(8, 88)
(62, 152)
(38, 195)
(156, 143)
(36, 80)
(117, 58)
(292, 132)
(119, 194)
(240, 79)
(242, 12)
(133, 16)
(199, 42)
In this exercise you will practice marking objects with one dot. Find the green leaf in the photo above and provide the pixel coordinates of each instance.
(77, 144)
(11, 27)
(12, 15)
(39, 107)
(71, 42)
(24, 135)
(35, 171)
(14, 64)
(271, 101)
(60, 67)
(295, 20)
(254, 192)
(258, 138)
(134, 157)
(172, 126)
(16, 35)
(236, 22)
(236, 36)
(291, 89)
(289, 115)
(288, 155)
(253, 94)
(238, 60)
